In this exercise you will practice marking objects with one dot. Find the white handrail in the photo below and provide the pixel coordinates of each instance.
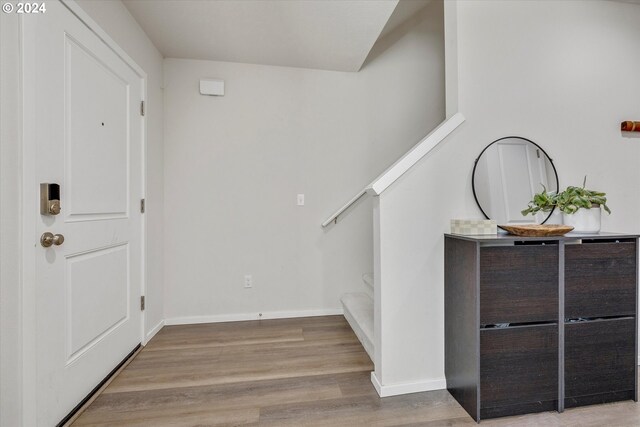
(334, 217)
(405, 163)
(412, 157)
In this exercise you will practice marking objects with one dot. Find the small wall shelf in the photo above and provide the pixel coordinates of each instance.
(630, 126)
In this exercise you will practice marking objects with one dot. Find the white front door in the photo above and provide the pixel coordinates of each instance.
(82, 108)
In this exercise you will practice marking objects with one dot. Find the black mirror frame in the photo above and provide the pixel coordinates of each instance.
(475, 165)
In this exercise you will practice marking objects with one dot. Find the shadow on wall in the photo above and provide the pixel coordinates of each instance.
(406, 17)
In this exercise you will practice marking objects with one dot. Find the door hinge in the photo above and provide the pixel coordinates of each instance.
(142, 108)
(142, 206)
(142, 303)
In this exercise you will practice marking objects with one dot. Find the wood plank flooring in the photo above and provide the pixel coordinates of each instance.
(289, 372)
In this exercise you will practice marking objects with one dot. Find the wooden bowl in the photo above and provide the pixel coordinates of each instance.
(537, 230)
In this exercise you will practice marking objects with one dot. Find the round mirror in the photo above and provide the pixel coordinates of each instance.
(507, 174)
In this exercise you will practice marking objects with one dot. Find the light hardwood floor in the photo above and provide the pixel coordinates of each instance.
(289, 372)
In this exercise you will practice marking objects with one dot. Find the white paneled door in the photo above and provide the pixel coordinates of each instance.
(85, 118)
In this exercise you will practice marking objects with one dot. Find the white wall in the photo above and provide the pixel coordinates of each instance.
(116, 20)
(559, 73)
(234, 164)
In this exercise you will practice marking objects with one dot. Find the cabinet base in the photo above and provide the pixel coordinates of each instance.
(518, 409)
(572, 402)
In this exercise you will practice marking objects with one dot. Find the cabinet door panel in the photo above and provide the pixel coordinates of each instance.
(599, 359)
(518, 284)
(518, 370)
(600, 280)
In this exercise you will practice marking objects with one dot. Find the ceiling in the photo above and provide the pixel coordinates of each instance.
(319, 34)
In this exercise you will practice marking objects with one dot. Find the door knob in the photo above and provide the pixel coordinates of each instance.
(47, 239)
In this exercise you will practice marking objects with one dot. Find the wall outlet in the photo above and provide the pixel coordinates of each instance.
(248, 281)
(300, 199)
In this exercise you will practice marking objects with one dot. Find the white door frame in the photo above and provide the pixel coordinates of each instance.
(30, 202)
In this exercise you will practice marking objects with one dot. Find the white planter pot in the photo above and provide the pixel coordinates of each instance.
(584, 220)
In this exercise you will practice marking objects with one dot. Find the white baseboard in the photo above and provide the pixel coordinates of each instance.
(218, 318)
(153, 332)
(406, 388)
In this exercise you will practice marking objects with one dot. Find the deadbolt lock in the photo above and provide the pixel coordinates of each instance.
(49, 199)
(47, 239)
(54, 207)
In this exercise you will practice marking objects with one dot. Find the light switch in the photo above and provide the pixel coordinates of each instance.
(300, 199)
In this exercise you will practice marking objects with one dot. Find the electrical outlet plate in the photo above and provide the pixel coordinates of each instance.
(248, 281)
(300, 199)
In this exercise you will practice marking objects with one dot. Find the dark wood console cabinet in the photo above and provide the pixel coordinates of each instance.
(540, 324)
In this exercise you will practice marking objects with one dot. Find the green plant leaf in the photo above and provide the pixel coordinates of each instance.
(568, 201)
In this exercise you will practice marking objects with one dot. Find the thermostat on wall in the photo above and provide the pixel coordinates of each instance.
(212, 87)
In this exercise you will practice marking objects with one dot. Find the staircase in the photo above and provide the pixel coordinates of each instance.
(396, 317)
(358, 310)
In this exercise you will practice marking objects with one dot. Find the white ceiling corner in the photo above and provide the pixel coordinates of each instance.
(405, 10)
(318, 34)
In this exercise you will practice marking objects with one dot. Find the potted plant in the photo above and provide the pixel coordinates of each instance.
(580, 207)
